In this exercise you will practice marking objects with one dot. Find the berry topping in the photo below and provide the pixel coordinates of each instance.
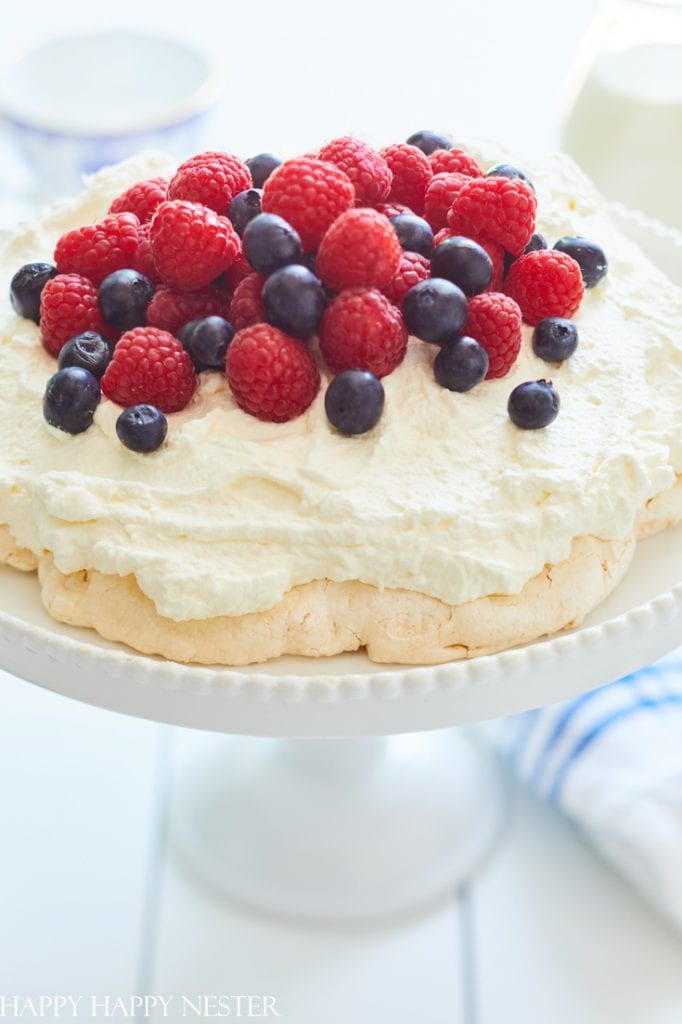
(588, 255)
(460, 364)
(537, 241)
(435, 310)
(414, 233)
(212, 179)
(412, 269)
(170, 310)
(440, 196)
(412, 173)
(68, 306)
(124, 297)
(361, 248)
(464, 262)
(367, 171)
(206, 340)
(509, 171)
(98, 249)
(261, 166)
(502, 209)
(555, 339)
(545, 283)
(429, 141)
(89, 350)
(309, 194)
(142, 428)
(244, 207)
(533, 405)
(246, 307)
(454, 161)
(270, 243)
(150, 366)
(494, 320)
(354, 401)
(141, 199)
(143, 260)
(191, 244)
(294, 300)
(272, 376)
(362, 329)
(71, 397)
(26, 288)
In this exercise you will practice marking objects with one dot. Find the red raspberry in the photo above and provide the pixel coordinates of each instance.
(494, 320)
(238, 272)
(98, 249)
(211, 179)
(391, 209)
(502, 209)
(368, 172)
(272, 376)
(360, 248)
(545, 283)
(170, 310)
(68, 306)
(191, 244)
(439, 197)
(246, 307)
(363, 330)
(309, 194)
(496, 253)
(412, 269)
(143, 260)
(454, 161)
(149, 365)
(141, 199)
(441, 235)
(412, 173)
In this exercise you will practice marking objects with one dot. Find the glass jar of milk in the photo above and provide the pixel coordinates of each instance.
(624, 124)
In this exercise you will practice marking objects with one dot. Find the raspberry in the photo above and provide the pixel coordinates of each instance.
(545, 283)
(143, 260)
(441, 235)
(68, 306)
(412, 173)
(368, 172)
(309, 194)
(170, 310)
(391, 209)
(151, 366)
(454, 161)
(141, 199)
(496, 253)
(439, 197)
(272, 376)
(412, 269)
(238, 271)
(502, 209)
(246, 307)
(360, 248)
(494, 320)
(98, 249)
(191, 244)
(211, 179)
(363, 330)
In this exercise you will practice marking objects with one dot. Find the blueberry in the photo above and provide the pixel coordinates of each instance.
(123, 298)
(414, 233)
(294, 300)
(509, 171)
(589, 255)
(461, 364)
(206, 340)
(89, 350)
(26, 287)
(142, 428)
(533, 405)
(270, 243)
(429, 141)
(354, 401)
(537, 241)
(555, 339)
(464, 262)
(261, 166)
(244, 207)
(435, 310)
(71, 397)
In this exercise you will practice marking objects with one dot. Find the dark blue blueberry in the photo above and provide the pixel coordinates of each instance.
(509, 171)
(261, 166)
(89, 350)
(537, 241)
(533, 405)
(270, 243)
(123, 298)
(142, 428)
(294, 300)
(244, 207)
(589, 255)
(464, 262)
(461, 364)
(428, 141)
(555, 339)
(354, 401)
(435, 310)
(206, 340)
(71, 397)
(26, 288)
(414, 233)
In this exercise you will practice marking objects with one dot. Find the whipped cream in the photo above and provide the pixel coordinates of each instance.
(445, 496)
